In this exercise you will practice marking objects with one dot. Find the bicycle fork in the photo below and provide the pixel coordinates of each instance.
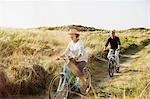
(61, 85)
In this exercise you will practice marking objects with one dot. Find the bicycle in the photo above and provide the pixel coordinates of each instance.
(112, 64)
(65, 82)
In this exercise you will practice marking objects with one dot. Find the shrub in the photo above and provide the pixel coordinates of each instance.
(4, 93)
(145, 42)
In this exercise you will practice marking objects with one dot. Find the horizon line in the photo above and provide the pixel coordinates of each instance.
(42, 26)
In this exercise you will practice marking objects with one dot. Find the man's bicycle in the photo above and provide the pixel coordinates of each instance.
(66, 82)
(112, 64)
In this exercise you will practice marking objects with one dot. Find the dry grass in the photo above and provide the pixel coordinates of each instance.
(19, 46)
(134, 81)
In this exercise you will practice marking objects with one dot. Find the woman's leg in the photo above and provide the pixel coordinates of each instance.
(81, 65)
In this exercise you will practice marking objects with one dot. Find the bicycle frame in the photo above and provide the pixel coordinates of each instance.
(67, 73)
(112, 62)
(112, 55)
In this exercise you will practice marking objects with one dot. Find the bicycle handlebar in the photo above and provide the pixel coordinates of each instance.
(111, 49)
(62, 58)
(66, 59)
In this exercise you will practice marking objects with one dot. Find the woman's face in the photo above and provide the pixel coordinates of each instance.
(73, 37)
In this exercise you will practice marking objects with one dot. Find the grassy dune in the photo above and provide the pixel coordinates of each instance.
(134, 80)
(20, 48)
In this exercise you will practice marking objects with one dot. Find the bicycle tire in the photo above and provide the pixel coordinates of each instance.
(111, 68)
(51, 87)
(87, 74)
(117, 69)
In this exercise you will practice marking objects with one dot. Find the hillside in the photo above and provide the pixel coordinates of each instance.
(68, 27)
(38, 48)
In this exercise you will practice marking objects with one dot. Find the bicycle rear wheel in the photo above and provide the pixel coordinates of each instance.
(88, 80)
(58, 88)
(111, 68)
(117, 69)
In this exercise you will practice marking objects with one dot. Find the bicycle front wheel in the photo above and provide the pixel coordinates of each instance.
(111, 68)
(58, 88)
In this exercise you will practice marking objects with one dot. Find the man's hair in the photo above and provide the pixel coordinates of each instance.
(113, 31)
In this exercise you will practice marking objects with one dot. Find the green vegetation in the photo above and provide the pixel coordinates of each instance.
(68, 27)
(38, 48)
(134, 81)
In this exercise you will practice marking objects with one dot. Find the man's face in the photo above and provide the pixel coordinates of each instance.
(113, 34)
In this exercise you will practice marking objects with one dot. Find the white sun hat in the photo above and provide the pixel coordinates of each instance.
(73, 31)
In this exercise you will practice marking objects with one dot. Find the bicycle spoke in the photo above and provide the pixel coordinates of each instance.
(58, 88)
(86, 88)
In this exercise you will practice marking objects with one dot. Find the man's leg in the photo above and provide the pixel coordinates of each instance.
(109, 54)
(117, 58)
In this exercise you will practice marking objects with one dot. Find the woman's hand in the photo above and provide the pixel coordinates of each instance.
(58, 58)
(73, 58)
(76, 58)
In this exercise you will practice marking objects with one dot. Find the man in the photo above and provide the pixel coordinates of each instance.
(115, 44)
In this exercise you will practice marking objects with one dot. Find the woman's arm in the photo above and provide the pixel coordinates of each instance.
(67, 50)
(81, 49)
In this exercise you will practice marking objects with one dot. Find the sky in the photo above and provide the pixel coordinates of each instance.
(106, 14)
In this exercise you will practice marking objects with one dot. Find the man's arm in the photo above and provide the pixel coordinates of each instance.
(119, 43)
(106, 44)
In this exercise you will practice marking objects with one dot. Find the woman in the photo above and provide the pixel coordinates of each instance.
(76, 51)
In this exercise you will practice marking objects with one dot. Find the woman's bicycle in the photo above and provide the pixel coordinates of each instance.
(66, 82)
(112, 64)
